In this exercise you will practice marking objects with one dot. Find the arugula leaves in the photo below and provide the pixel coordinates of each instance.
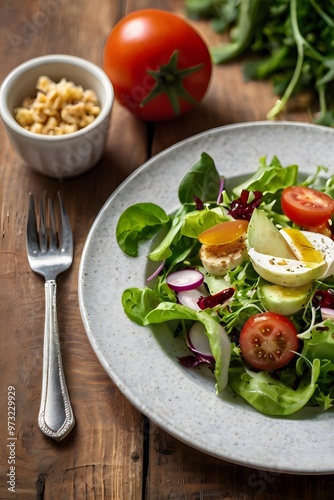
(288, 41)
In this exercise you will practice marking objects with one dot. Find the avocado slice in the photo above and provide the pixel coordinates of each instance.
(281, 299)
(265, 238)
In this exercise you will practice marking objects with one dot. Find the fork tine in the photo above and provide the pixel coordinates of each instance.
(66, 232)
(32, 233)
(53, 240)
(43, 239)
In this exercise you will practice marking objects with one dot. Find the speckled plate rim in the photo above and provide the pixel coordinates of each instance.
(184, 404)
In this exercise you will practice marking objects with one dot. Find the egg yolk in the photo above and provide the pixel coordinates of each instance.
(302, 247)
(224, 232)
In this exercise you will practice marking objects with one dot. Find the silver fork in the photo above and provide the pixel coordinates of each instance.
(50, 252)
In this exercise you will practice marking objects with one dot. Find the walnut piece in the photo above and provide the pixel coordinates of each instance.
(58, 108)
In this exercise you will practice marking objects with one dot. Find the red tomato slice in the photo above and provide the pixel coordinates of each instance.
(267, 341)
(306, 206)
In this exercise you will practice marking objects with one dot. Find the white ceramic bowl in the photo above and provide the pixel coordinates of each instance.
(64, 155)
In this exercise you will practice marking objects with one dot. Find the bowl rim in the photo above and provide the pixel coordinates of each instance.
(36, 62)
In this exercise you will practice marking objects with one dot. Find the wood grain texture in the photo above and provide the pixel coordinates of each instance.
(103, 456)
(114, 452)
(176, 470)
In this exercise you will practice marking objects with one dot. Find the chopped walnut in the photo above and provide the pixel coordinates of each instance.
(58, 108)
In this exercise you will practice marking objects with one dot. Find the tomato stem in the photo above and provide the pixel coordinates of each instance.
(169, 80)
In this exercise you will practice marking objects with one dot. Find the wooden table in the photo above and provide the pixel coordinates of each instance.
(114, 452)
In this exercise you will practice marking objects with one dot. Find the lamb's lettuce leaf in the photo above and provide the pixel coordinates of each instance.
(139, 222)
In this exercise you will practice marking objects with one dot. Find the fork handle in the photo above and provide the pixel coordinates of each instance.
(56, 418)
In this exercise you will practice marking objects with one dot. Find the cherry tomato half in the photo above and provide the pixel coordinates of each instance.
(159, 65)
(306, 206)
(267, 341)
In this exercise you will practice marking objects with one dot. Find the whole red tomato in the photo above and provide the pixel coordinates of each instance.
(159, 65)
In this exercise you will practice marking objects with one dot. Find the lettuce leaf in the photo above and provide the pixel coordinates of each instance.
(321, 342)
(143, 306)
(271, 396)
(269, 178)
(187, 224)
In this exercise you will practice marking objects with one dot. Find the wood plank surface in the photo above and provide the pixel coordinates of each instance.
(114, 452)
(103, 456)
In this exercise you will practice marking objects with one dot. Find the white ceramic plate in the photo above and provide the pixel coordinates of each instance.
(142, 360)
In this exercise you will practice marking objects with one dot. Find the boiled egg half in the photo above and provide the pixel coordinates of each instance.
(314, 260)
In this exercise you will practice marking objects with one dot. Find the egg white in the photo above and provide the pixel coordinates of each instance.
(286, 272)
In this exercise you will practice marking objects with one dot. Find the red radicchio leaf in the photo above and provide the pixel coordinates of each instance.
(241, 208)
(324, 298)
(216, 299)
(198, 202)
(192, 361)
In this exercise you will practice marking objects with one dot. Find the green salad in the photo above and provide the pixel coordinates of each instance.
(245, 272)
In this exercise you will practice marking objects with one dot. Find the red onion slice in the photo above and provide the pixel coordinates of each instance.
(327, 313)
(190, 298)
(156, 272)
(221, 188)
(198, 341)
(193, 360)
(185, 279)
